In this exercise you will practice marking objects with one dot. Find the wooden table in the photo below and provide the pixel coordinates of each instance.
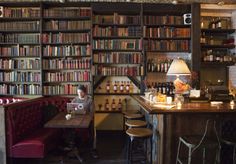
(77, 121)
(189, 119)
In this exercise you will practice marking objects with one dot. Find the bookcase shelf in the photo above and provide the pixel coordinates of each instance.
(72, 43)
(206, 46)
(168, 25)
(20, 19)
(87, 56)
(116, 37)
(68, 18)
(114, 25)
(169, 38)
(117, 50)
(225, 31)
(66, 31)
(19, 31)
(118, 94)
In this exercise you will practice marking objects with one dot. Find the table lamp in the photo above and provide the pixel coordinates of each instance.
(179, 68)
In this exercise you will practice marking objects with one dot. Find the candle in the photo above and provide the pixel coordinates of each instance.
(232, 102)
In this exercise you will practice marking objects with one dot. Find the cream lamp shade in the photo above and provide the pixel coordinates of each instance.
(178, 67)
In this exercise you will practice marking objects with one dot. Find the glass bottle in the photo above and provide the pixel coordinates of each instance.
(119, 105)
(108, 86)
(115, 87)
(113, 105)
(121, 87)
(127, 88)
(106, 106)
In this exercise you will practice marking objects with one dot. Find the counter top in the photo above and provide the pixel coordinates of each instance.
(193, 107)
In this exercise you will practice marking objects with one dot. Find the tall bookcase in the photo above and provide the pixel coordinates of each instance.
(217, 43)
(66, 48)
(166, 37)
(20, 51)
(117, 54)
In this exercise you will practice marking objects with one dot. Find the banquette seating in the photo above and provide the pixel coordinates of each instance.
(25, 135)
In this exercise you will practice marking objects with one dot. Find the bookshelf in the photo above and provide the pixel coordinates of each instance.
(217, 44)
(117, 53)
(20, 50)
(166, 37)
(66, 49)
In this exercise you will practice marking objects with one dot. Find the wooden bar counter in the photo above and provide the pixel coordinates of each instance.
(189, 119)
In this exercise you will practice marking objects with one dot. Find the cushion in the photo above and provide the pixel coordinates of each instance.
(35, 146)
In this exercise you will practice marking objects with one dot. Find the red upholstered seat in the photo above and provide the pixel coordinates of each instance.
(33, 146)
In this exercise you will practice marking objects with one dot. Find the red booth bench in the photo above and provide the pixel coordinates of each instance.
(25, 135)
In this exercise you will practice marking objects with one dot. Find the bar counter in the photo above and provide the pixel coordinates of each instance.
(189, 119)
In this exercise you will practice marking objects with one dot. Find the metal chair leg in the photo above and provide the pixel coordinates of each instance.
(189, 155)
(177, 157)
(204, 155)
(234, 162)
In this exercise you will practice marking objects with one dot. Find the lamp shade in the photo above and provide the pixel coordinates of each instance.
(178, 67)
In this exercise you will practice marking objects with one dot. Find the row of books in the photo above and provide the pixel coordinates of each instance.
(118, 44)
(16, 12)
(19, 76)
(117, 31)
(67, 25)
(68, 89)
(167, 32)
(163, 20)
(67, 64)
(67, 12)
(20, 64)
(74, 76)
(20, 89)
(20, 51)
(117, 71)
(23, 25)
(66, 38)
(118, 57)
(20, 38)
(168, 45)
(70, 50)
(117, 19)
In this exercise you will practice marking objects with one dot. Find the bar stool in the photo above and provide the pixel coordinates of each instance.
(135, 134)
(135, 123)
(231, 142)
(131, 116)
(196, 142)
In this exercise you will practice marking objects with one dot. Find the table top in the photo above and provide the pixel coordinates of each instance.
(77, 121)
(193, 107)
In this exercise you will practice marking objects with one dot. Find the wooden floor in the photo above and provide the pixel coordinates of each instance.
(110, 146)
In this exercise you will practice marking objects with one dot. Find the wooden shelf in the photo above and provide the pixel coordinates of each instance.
(60, 44)
(18, 69)
(226, 31)
(67, 18)
(20, 31)
(20, 19)
(19, 56)
(18, 82)
(66, 31)
(207, 46)
(167, 51)
(66, 69)
(117, 50)
(164, 38)
(116, 94)
(59, 82)
(87, 56)
(217, 64)
(115, 25)
(116, 37)
(36, 44)
(118, 63)
(168, 25)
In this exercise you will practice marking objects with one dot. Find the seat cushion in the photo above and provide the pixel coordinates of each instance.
(35, 145)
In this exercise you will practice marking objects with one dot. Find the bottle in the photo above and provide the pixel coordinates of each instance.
(119, 105)
(203, 39)
(166, 66)
(218, 24)
(121, 87)
(213, 25)
(106, 106)
(118, 86)
(113, 105)
(127, 88)
(108, 87)
(115, 87)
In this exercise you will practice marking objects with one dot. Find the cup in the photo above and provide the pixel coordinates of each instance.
(168, 100)
(68, 116)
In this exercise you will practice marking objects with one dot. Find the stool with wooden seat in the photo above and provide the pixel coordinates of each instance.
(135, 123)
(195, 142)
(139, 133)
(131, 116)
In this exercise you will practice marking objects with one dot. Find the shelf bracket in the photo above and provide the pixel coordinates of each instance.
(135, 81)
(98, 81)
